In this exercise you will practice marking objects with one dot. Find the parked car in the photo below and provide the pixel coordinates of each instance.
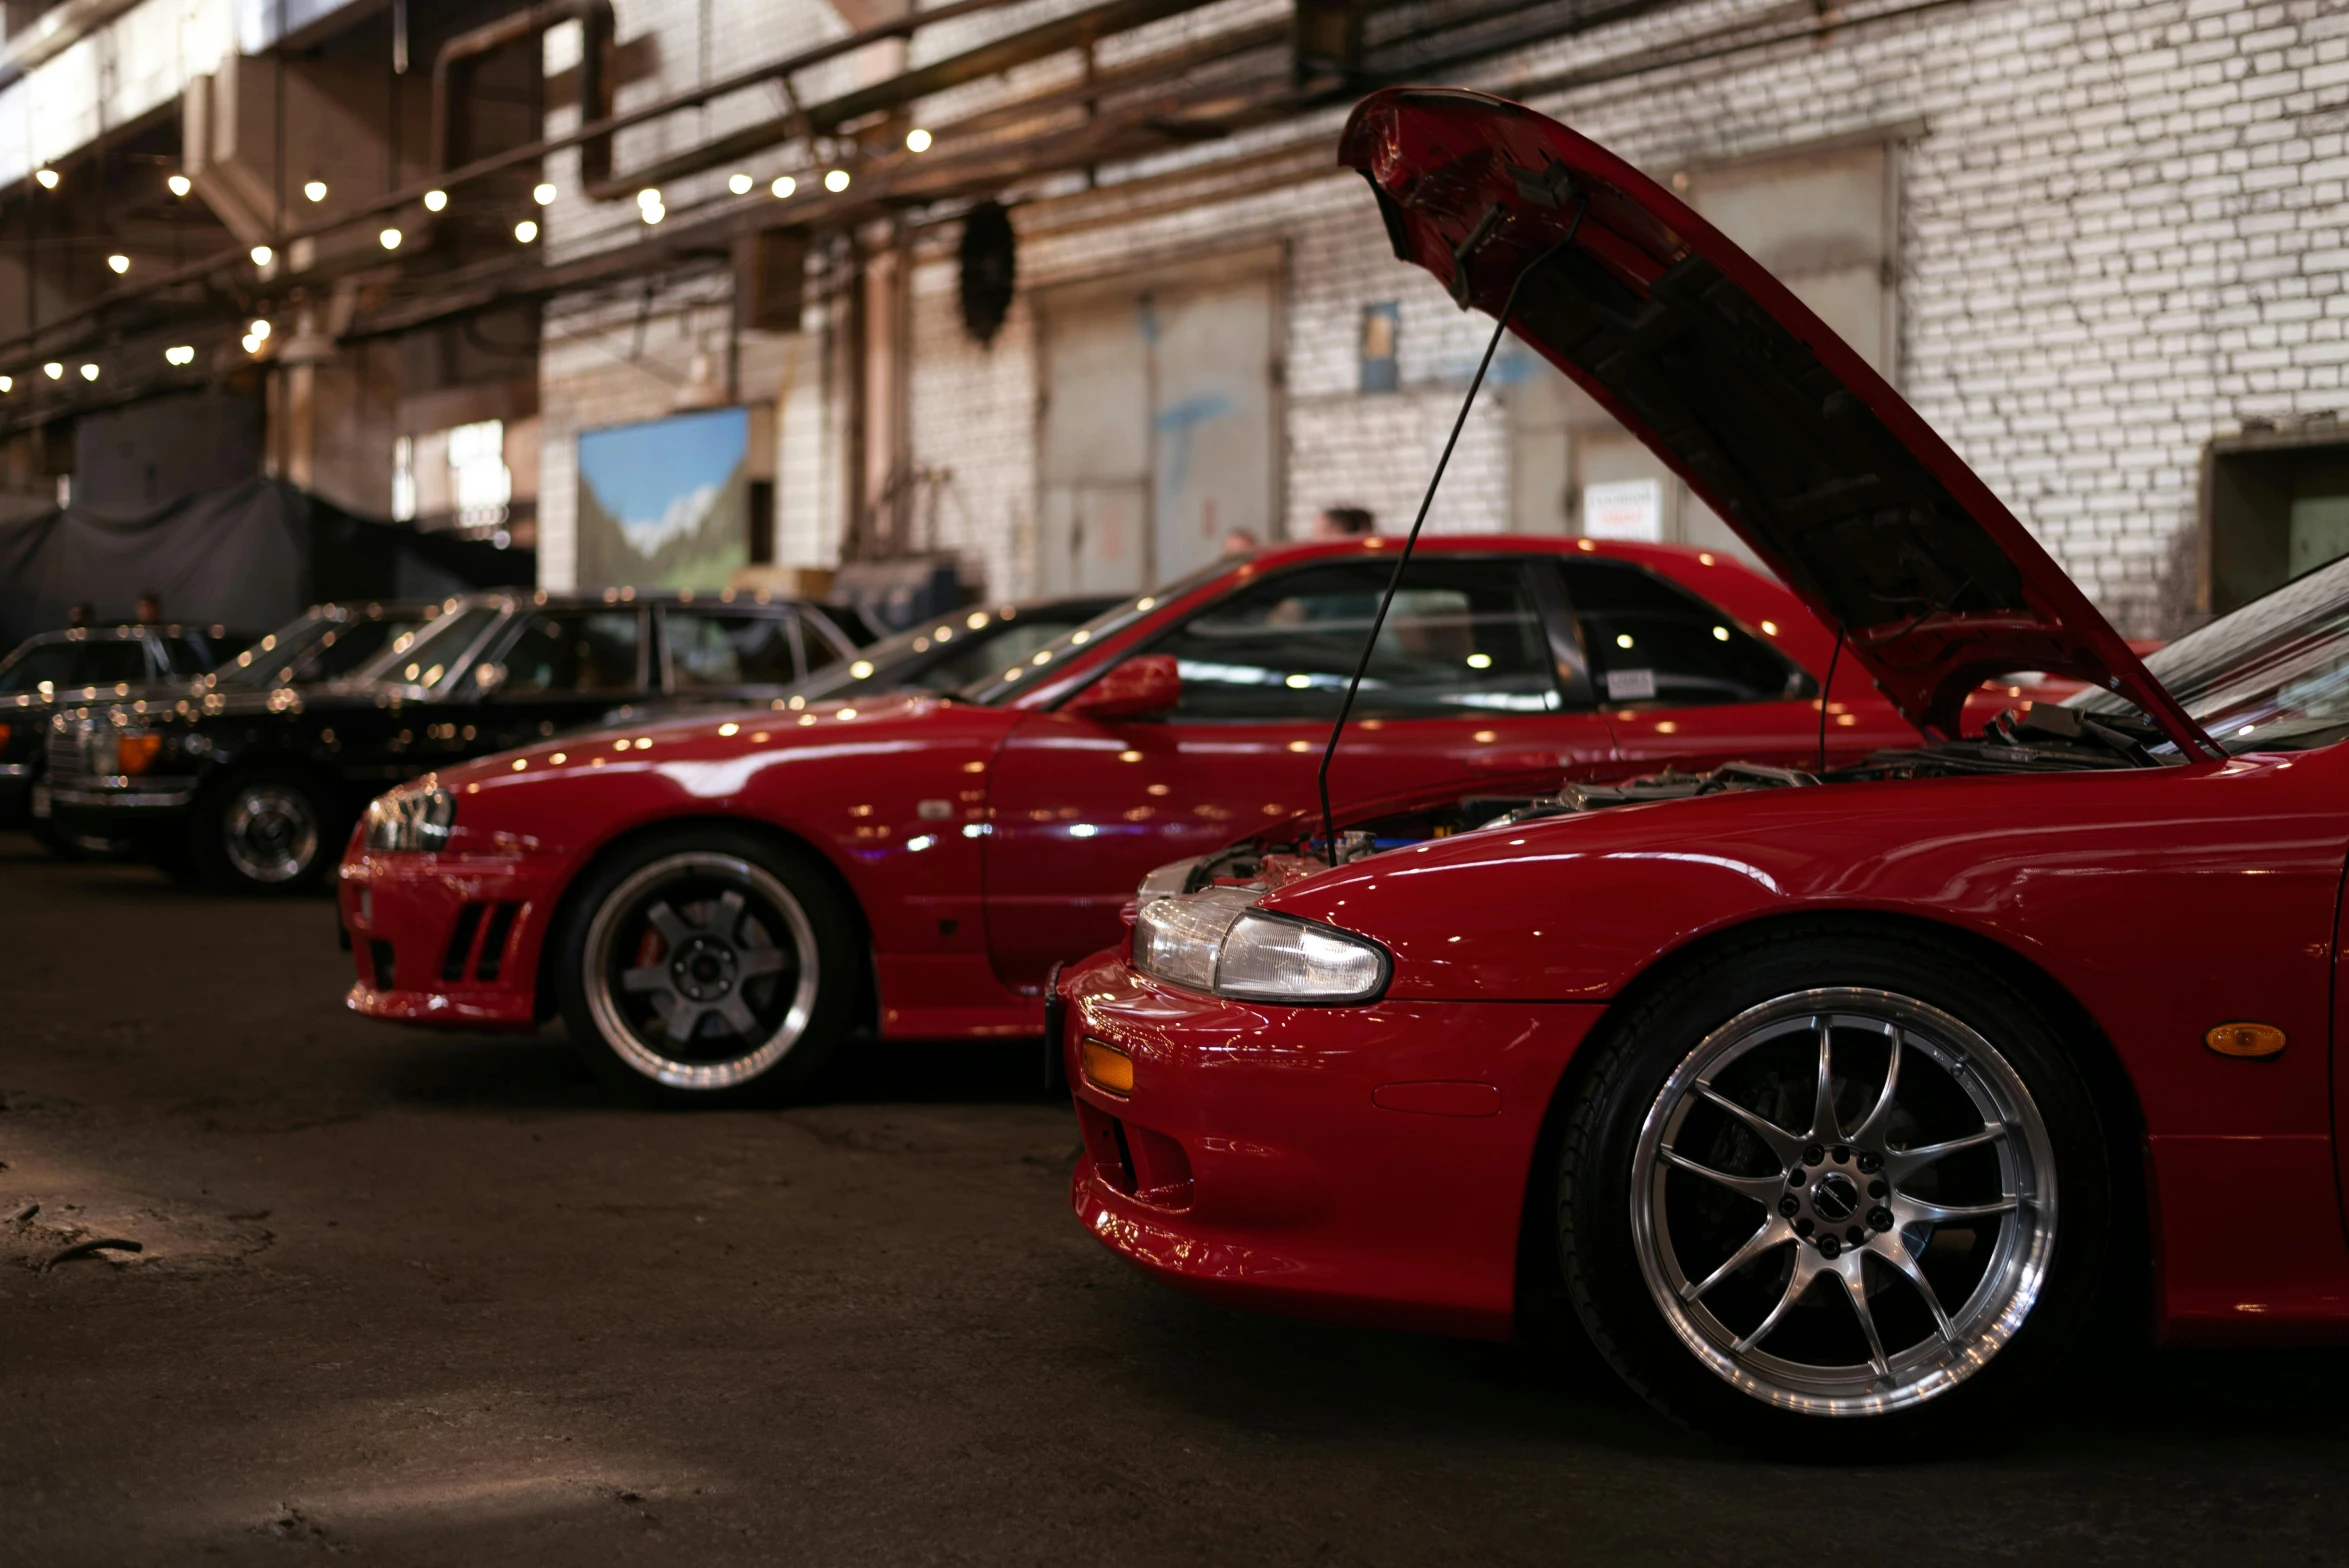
(1845, 1099)
(253, 785)
(81, 664)
(948, 654)
(719, 903)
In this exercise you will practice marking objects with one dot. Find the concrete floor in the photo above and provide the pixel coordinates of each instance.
(417, 1298)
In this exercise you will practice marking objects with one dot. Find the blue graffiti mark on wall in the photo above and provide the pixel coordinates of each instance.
(1174, 424)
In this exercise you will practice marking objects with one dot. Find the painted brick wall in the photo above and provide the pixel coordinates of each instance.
(2124, 230)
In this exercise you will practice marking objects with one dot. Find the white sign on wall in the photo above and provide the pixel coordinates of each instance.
(1624, 509)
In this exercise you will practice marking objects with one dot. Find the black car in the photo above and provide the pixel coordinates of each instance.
(86, 663)
(253, 789)
(949, 653)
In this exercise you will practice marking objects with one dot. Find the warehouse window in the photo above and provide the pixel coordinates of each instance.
(2275, 505)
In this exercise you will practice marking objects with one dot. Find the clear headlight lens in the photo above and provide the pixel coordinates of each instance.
(1218, 941)
(413, 817)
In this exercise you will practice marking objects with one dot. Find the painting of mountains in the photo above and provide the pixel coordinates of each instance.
(666, 503)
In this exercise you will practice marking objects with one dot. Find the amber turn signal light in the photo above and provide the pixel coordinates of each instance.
(2245, 1039)
(133, 753)
(1105, 1069)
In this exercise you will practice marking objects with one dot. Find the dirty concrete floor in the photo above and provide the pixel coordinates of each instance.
(413, 1298)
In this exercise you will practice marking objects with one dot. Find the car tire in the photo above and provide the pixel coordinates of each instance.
(262, 831)
(709, 966)
(1815, 1287)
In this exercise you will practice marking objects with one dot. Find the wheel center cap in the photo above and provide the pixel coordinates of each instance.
(1835, 1197)
(703, 969)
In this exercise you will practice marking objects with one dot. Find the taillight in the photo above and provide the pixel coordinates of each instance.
(135, 753)
(5, 732)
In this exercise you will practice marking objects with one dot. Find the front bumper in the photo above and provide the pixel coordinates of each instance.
(450, 940)
(1367, 1164)
(114, 806)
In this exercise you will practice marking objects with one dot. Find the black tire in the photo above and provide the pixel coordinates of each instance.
(745, 943)
(1632, 1245)
(266, 831)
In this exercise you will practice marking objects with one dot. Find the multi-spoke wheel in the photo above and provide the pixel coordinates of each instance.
(1788, 1201)
(261, 830)
(704, 963)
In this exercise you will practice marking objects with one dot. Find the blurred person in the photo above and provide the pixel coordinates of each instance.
(77, 616)
(1239, 541)
(150, 609)
(1344, 522)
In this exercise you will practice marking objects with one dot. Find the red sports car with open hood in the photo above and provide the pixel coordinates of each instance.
(719, 901)
(1859, 1093)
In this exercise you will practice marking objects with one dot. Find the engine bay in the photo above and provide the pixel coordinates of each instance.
(2039, 739)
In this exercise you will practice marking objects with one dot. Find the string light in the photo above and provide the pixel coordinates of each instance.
(526, 231)
(53, 370)
(836, 181)
(434, 201)
(89, 372)
(261, 255)
(740, 184)
(917, 140)
(258, 331)
(180, 184)
(119, 263)
(648, 205)
(180, 354)
(7, 384)
(390, 238)
(784, 185)
(543, 193)
(315, 190)
(47, 177)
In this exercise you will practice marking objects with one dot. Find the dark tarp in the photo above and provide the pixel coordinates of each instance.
(251, 556)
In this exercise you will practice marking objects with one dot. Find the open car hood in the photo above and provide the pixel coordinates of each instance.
(1783, 430)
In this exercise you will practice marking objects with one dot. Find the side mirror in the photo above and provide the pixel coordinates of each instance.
(1135, 689)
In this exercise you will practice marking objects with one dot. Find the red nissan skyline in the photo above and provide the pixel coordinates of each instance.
(720, 901)
(1868, 1093)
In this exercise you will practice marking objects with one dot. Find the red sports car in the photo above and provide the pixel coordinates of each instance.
(721, 900)
(1856, 1093)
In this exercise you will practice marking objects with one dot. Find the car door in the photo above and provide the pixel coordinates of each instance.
(1466, 672)
(564, 669)
(725, 655)
(1686, 683)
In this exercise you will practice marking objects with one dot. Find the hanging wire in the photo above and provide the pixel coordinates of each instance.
(1411, 540)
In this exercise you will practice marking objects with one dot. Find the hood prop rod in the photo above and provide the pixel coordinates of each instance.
(1484, 228)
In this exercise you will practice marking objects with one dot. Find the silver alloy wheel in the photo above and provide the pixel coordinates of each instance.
(1845, 1268)
(675, 959)
(270, 833)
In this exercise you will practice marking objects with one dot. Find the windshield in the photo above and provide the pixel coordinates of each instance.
(947, 653)
(315, 648)
(433, 655)
(2272, 676)
(1001, 685)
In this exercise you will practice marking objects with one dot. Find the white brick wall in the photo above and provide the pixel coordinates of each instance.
(2124, 230)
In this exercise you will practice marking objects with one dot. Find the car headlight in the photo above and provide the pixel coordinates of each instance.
(413, 817)
(1218, 941)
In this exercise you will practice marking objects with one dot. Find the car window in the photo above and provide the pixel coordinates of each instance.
(434, 653)
(587, 652)
(108, 661)
(43, 664)
(188, 653)
(1463, 636)
(1649, 640)
(716, 648)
